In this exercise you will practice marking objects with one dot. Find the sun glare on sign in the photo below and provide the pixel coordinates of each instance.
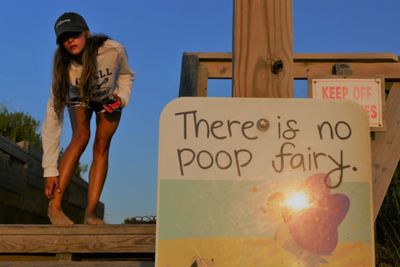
(297, 201)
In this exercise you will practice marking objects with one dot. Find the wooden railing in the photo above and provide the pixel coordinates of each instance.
(22, 199)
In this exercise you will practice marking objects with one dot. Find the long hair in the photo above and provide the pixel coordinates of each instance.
(62, 60)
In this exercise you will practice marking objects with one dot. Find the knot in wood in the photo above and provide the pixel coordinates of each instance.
(277, 66)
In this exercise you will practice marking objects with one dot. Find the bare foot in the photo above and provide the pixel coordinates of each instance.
(91, 219)
(57, 216)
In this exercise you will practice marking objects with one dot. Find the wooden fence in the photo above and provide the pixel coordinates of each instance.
(22, 199)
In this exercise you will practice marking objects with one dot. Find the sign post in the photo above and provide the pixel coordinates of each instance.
(277, 185)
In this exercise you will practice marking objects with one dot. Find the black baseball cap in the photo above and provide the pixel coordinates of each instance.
(69, 22)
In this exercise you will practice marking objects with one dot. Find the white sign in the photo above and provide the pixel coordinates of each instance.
(264, 182)
(365, 91)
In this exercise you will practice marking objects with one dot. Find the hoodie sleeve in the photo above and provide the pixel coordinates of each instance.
(125, 77)
(51, 132)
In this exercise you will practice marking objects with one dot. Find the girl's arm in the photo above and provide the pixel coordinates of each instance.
(125, 78)
(51, 132)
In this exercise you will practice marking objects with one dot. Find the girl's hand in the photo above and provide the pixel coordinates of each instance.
(112, 104)
(50, 186)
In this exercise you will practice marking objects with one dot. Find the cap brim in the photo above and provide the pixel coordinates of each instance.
(70, 28)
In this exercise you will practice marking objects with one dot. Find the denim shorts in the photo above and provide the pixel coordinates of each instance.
(97, 107)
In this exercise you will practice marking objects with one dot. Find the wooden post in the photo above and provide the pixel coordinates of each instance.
(386, 148)
(263, 48)
(194, 77)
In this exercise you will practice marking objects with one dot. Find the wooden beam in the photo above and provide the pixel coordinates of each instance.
(347, 57)
(133, 238)
(386, 148)
(9, 147)
(304, 57)
(88, 263)
(219, 65)
(189, 71)
(263, 48)
(194, 77)
(304, 70)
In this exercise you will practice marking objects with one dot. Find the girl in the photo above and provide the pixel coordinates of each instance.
(90, 75)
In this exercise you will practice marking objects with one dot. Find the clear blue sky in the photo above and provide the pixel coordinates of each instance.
(156, 33)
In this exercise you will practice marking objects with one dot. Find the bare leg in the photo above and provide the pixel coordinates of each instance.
(80, 122)
(106, 125)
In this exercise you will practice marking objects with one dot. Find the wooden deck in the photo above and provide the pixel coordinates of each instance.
(103, 245)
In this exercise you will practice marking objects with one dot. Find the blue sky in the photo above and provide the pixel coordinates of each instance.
(156, 33)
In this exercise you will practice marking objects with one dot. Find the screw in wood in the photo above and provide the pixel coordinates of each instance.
(263, 124)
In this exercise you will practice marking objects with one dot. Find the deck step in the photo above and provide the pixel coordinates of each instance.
(78, 243)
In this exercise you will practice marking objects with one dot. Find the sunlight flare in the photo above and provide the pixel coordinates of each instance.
(298, 201)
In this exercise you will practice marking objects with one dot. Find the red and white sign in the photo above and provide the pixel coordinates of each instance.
(365, 91)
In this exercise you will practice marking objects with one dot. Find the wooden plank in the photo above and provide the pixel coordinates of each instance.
(14, 177)
(39, 205)
(10, 148)
(347, 57)
(211, 56)
(218, 69)
(13, 215)
(189, 76)
(263, 41)
(202, 81)
(304, 70)
(386, 148)
(130, 263)
(10, 198)
(219, 65)
(33, 150)
(309, 57)
(77, 239)
(78, 229)
(78, 243)
(194, 77)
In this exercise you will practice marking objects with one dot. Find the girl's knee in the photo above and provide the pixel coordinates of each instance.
(81, 138)
(101, 145)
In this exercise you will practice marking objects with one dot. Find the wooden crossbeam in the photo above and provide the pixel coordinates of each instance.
(219, 66)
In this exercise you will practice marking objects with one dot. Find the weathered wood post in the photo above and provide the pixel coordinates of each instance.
(263, 48)
(386, 149)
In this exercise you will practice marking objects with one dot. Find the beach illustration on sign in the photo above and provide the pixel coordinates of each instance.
(311, 215)
(255, 223)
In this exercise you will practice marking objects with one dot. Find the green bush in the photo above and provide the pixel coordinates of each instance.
(19, 126)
